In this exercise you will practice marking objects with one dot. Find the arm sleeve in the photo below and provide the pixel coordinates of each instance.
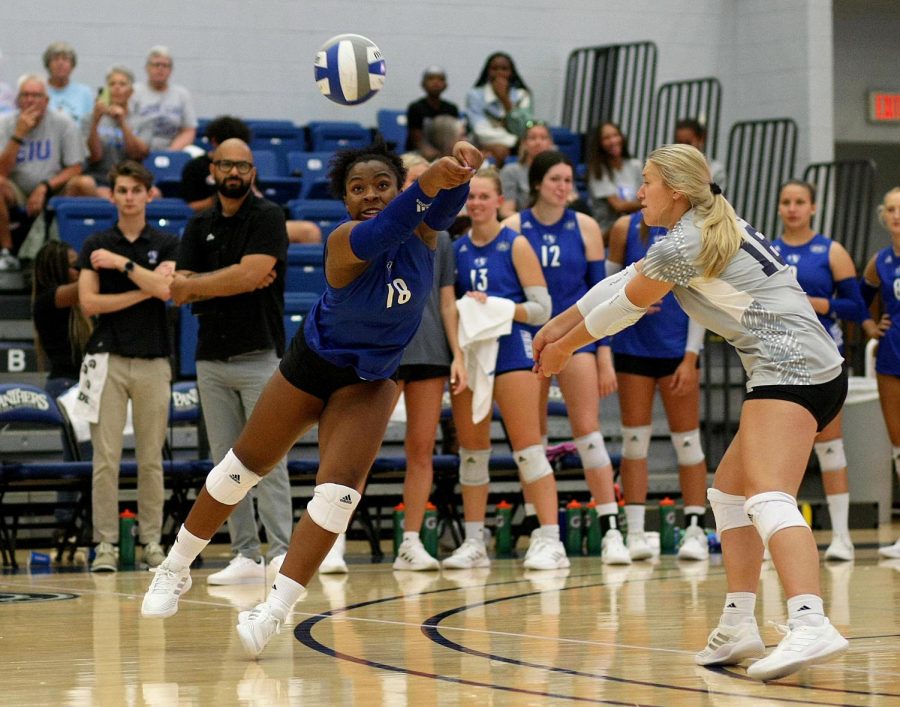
(445, 207)
(596, 271)
(695, 336)
(868, 292)
(605, 289)
(612, 315)
(392, 226)
(849, 303)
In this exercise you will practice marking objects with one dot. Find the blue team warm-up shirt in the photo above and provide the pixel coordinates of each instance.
(368, 323)
(887, 264)
(662, 334)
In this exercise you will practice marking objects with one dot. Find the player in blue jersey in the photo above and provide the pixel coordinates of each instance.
(339, 371)
(727, 276)
(660, 352)
(882, 277)
(826, 273)
(569, 246)
(496, 268)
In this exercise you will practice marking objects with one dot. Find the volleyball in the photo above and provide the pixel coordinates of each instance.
(349, 69)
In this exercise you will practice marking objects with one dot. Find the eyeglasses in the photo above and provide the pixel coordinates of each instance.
(32, 95)
(159, 64)
(242, 166)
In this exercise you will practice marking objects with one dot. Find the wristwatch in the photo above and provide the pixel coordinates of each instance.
(129, 267)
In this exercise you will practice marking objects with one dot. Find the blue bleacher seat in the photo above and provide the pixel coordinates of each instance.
(393, 129)
(305, 268)
(327, 213)
(331, 135)
(170, 215)
(278, 137)
(312, 168)
(166, 166)
(273, 181)
(567, 142)
(78, 217)
(296, 307)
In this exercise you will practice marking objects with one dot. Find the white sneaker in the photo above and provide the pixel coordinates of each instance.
(613, 550)
(546, 554)
(472, 553)
(412, 555)
(256, 628)
(334, 560)
(161, 599)
(729, 645)
(841, 549)
(638, 546)
(8, 262)
(892, 551)
(802, 645)
(274, 566)
(241, 570)
(695, 545)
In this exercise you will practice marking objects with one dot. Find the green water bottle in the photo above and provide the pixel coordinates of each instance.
(399, 514)
(429, 532)
(592, 530)
(668, 543)
(503, 529)
(127, 531)
(573, 528)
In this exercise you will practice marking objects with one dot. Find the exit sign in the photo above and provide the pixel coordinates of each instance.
(884, 106)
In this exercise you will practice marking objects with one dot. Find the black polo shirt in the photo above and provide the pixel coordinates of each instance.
(420, 111)
(250, 321)
(141, 330)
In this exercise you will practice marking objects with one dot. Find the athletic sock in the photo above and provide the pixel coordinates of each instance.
(411, 535)
(693, 515)
(474, 530)
(738, 606)
(184, 550)
(807, 609)
(285, 593)
(550, 532)
(608, 512)
(634, 516)
(839, 510)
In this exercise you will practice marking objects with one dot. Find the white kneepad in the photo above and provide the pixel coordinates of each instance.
(532, 463)
(229, 481)
(473, 467)
(332, 506)
(773, 511)
(592, 450)
(636, 442)
(728, 510)
(831, 455)
(688, 449)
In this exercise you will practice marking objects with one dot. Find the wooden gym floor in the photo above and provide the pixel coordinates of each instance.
(505, 636)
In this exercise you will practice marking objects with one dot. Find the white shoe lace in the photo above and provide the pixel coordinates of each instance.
(799, 636)
(261, 613)
(165, 580)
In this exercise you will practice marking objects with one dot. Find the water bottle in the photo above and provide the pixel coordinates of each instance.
(127, 532)
(667, 540)
(429, 532)
(573, 528)
(622, 519)
(592, 529)
(38, 562)
(399, 514)
(503, 528)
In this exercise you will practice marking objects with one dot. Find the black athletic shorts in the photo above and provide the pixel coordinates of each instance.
(647, 366)
(421, 371)
(303, 368)
(824, 400)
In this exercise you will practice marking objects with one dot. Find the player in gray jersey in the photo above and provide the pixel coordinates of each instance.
(727, 278)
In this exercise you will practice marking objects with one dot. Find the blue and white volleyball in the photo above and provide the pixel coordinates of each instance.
(349, 69)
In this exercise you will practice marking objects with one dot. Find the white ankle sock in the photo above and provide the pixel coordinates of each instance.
(806, 608)
(474, 530)
(634, 516)
(184, 550)
(839, 510)
(285, 593)
(550, 532)
(411, 535)
(738, 606)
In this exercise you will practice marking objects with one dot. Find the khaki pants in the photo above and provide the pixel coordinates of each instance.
(147, 383)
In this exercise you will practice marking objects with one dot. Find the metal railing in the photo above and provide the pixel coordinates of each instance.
(700, 99)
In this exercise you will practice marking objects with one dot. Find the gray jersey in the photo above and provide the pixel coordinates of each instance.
(54, 144)
(755, 304)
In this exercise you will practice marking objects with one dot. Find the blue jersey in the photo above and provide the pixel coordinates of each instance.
(368, 323)
(810, 265)
(887, 264)
(560, 249)
(662, 334)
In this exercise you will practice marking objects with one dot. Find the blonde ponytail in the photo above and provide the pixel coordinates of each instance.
(684, 169)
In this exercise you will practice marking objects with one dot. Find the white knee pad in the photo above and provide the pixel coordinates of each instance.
(831, 455)
(636, 442)
(688, 449)
(773, 511)
(592, 450)
(229, 481)
(532, 463)
(332, 506)
(728, 510)
(473, 467)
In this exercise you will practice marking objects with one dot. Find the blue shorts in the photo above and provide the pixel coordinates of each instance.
(515, 352)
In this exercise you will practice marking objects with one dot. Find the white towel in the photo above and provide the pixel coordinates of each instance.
(94, 368)
(480, 326)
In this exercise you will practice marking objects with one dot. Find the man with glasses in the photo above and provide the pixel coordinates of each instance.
(41, 153)
(231, 266)
(163, 113)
